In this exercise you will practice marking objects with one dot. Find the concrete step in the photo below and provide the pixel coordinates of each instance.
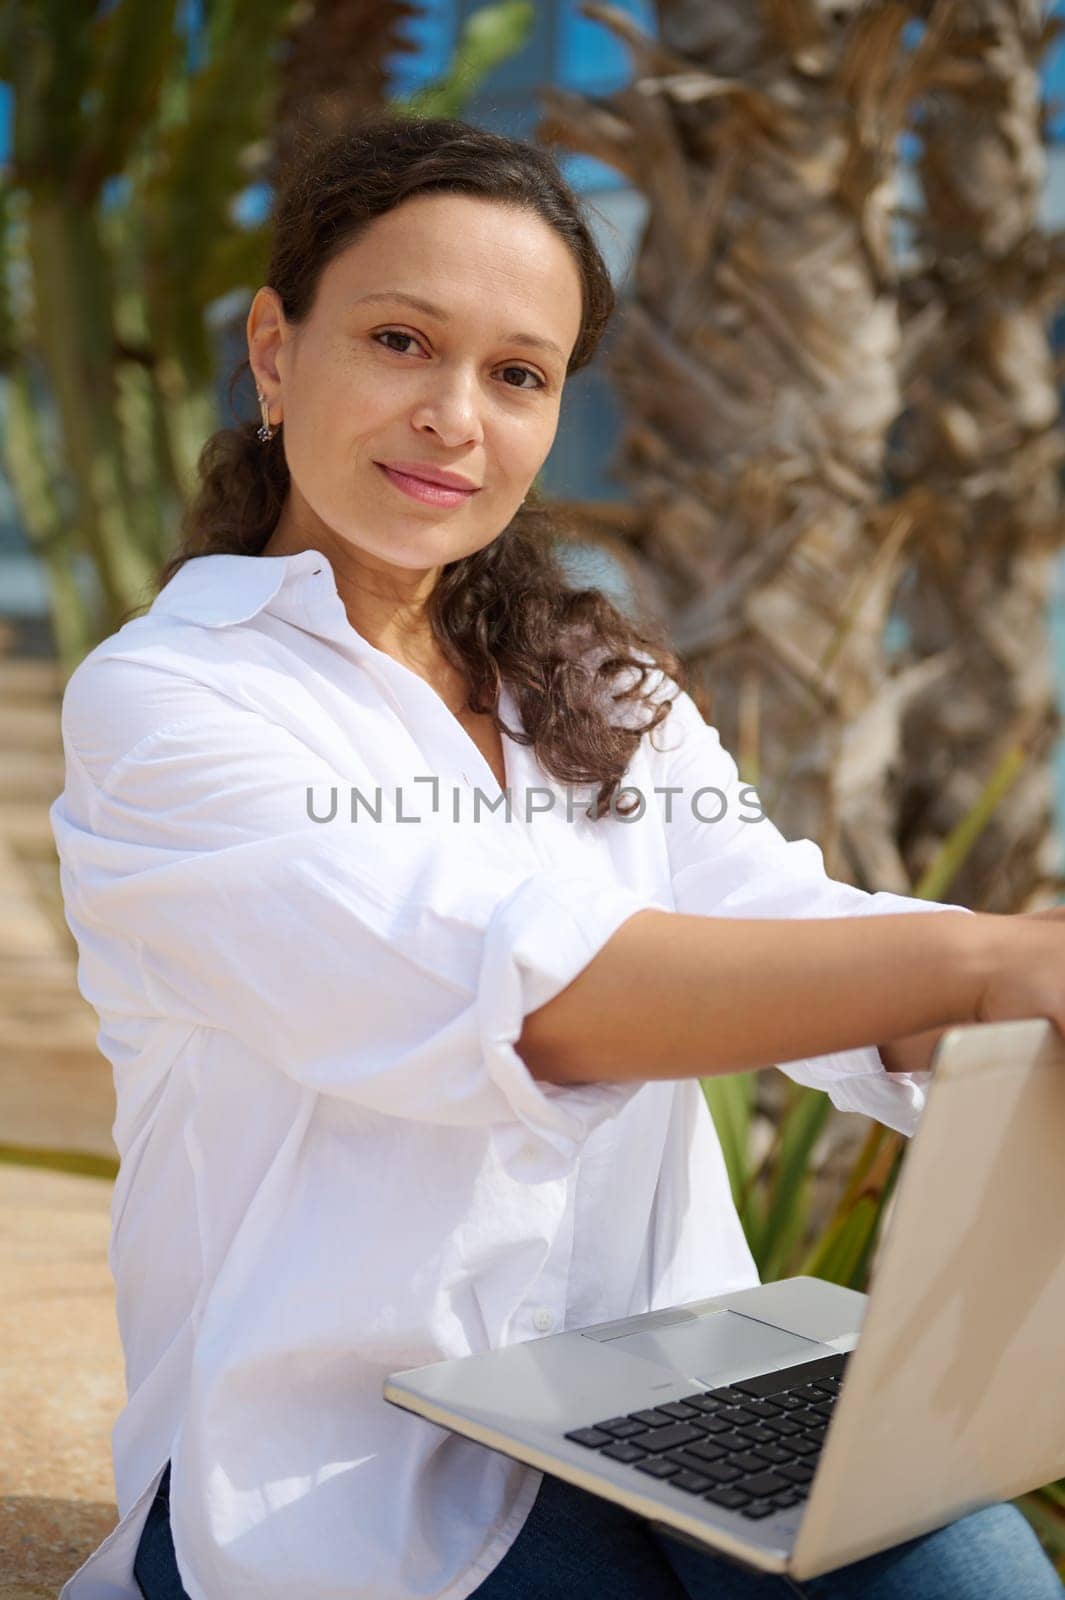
(61, 1098)
(40, 992)
(26, 929)
(49, 974)
(24, 678)
(72, 1028)
(25, 826)
(27, 727)
(38, 776)
(61, 1375)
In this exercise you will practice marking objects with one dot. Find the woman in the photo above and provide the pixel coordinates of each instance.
(401, 1073)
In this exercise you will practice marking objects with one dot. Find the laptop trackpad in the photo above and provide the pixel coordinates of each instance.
(718, 1346)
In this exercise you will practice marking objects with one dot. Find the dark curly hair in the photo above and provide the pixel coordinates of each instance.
(508, 611)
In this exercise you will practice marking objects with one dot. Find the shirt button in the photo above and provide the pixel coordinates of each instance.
(543, 1320)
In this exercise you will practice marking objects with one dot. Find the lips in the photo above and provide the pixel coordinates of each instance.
(432, 494)
(426, 474)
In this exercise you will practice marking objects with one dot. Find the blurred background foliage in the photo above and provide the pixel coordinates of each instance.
(833, 397)
(133, 144)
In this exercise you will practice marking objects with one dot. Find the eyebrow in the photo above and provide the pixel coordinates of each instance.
(532, 341)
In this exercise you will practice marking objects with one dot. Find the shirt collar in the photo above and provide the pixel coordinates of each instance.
(219, 591)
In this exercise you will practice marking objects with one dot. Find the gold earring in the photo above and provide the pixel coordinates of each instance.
(265, 432)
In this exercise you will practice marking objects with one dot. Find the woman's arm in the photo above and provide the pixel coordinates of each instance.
(912, 1053)
(728, 860)
(384, 965)
(671, 995)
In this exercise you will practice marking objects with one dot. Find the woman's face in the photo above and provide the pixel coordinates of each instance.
(471, 386)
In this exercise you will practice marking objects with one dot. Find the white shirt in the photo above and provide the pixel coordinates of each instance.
(334, 1164)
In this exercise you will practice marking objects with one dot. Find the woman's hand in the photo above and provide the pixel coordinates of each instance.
(1026, 969)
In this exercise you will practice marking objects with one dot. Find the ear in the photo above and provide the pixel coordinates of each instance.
(267, 333)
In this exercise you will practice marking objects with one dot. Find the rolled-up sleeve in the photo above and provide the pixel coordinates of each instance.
(727, 859)
(388, 964)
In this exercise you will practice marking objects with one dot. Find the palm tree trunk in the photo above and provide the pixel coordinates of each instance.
(335, 71)
(757, 364)
(982, 435)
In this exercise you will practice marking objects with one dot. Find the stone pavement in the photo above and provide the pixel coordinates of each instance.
(61, 1377)
(55, 1087)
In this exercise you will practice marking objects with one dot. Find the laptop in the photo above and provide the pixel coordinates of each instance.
(796, 1426)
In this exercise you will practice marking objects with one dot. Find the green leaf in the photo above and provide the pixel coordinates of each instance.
(1047, 1519)
(76, 1161)
(50, 60)
(489, 36)
(8, 347)
(949, 858)
(838, 1255)
(199, 173)
(239, 262)
(802, 1126)
(730, 1097)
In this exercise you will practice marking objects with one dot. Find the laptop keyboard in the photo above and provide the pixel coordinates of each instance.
(751, 1447)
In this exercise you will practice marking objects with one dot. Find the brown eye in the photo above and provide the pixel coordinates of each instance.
(395, 333)
(526, 372)
(529, 373)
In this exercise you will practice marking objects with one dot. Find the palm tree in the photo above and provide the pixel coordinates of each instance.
(115, 231)
(120, 225)
(761, 364)
(982, 434)
(335, 56)
(757, 362)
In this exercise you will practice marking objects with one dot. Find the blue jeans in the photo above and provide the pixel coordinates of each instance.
(575, 1546)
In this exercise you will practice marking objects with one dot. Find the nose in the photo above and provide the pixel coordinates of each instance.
(451, 406)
